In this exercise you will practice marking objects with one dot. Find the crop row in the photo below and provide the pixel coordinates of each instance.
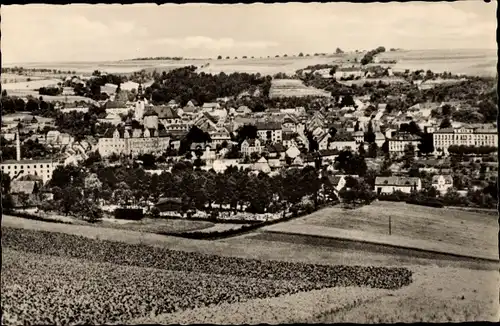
(72, 246)
(39, 289)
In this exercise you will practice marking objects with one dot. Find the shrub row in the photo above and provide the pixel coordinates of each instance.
(431, 202)
(35, 217)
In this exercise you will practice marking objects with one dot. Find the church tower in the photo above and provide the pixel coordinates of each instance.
(139, 106)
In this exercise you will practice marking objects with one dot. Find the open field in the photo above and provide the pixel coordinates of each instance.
(31, 85)
(253, 247)
(46, 265)
(160, 225)
(293, 87)
(473, 62)
(52, 277)
(468, 62)
(474, 232)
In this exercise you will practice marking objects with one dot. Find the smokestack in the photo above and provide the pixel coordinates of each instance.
(18, 146)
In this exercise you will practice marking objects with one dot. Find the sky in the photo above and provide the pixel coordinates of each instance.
(83, 32)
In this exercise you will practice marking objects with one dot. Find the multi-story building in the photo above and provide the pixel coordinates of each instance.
(18, 168)
(464, 136)
(40, 168)
(399, 142)
(250, 146)
(269, 131)
(135, 142)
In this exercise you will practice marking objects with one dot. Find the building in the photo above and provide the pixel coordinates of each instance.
(388, 185)
(261, 165)
(18, 168)
(464, 136)
(359, 136)
(250, 146)
(135, 142)
(116, 107)
(442, 183)
(269, 131)
(401, 141)
(348, 72)
(341, 141)
(219, 136)
(151, 119)
(289, 139)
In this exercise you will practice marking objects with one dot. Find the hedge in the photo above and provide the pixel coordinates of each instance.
(36, 217)
(129, 214)
(215, 235)
(431, 202)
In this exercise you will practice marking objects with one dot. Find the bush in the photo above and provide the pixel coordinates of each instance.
(425, 201)
(129, 214)
(395, 196)
(154, 212)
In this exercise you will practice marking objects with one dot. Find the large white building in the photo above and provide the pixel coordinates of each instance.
(18, 168)
(135, 142)
(40, 168)
(464, 136)
(401, 141)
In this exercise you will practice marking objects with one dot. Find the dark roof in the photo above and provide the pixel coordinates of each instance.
(396, 181)
(334, 180)
(405, 136)
(165, 112)
(210, 117)
(150, 112)
(342, 137)
(114, 104)
(276, 148)
(169, 200)
(328, 152)
(288, 135)
(268, 125)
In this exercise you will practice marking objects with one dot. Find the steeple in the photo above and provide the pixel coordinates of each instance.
(139, 92)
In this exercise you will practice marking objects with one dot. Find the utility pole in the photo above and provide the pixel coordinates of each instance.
(390, 226)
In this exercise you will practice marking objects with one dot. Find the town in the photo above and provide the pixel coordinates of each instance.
(235, 164)
(388, 139)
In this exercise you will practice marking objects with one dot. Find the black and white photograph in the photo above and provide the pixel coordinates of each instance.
(244, 164)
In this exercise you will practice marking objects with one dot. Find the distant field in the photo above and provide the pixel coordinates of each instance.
(294, 87)
(31, 85)
(468, 62)
(449, 226)
(473, 62)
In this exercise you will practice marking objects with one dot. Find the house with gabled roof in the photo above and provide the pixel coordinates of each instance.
(442, 183)
(249, 146)
(341, 141)
(388, 185)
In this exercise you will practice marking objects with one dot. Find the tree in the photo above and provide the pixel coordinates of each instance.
(301, 54)
(369, 135)
(219, 57)
(246, 131)
(372, 150)
(361, 150)
(426, 145)
(350, 163)
(339, 51)
(445, 123)
(409, 156)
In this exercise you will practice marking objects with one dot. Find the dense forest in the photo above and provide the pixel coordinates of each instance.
(184, 84)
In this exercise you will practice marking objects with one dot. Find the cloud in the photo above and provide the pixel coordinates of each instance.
(110, 32)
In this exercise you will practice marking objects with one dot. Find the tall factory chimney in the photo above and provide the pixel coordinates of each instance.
(18, 146)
